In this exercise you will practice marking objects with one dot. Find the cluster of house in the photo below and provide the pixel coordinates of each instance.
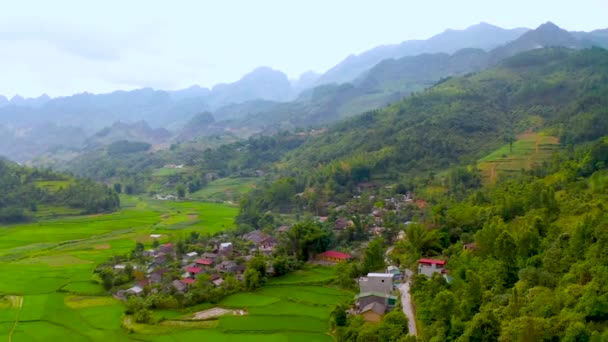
(375, 296)
(217, 263)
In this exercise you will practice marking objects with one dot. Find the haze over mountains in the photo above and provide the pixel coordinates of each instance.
(265, 100)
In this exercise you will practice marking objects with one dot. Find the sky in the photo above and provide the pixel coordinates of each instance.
(62, 47)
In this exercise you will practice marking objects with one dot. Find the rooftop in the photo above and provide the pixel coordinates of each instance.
(204, 262)
(380, 275)
(432, 261)
(376, 307)
(336, 255)
(194, 269)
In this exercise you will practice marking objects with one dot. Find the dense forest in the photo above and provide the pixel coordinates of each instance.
(556, 91)
(25, 189)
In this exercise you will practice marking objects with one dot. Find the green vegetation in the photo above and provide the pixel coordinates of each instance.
(226, 189)
(24, 189)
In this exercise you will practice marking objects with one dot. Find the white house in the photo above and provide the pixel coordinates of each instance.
(428, 267)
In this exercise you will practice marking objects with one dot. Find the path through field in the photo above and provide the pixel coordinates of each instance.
(16, 301)
(406, 302)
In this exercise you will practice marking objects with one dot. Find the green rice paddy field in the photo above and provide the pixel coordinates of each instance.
(46, 291)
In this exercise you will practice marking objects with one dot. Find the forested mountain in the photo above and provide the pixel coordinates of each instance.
(389, 81)
(459, 121)
(26, 192)
(481, 36)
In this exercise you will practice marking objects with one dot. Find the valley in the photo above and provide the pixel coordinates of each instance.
(443, 189)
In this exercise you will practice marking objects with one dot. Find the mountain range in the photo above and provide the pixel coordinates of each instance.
(265, 100)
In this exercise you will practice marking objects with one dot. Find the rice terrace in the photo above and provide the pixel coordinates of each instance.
(47, 292)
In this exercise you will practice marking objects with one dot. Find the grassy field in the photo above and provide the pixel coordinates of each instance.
(167, 171)
(528, 150)
(46, 292)
(226, 189)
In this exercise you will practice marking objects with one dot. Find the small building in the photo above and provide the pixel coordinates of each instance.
(341, 223)
(333, 256)
(373, 312)
(120, 267)
(191, 255)
(211, 256)
(193, 271)
(136, 290)
(179, 286)
(166, 248)
(155, 277)
(225, 248)
(218, 281)
(188, 281)
(394, 270)
(428, 267)
(377, 282)
(366, 298)
(227, 267)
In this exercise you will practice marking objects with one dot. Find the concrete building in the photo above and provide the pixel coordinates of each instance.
(377, 282)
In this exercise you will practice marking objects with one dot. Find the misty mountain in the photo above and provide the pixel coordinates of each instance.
(392, 79)
(120, 131)
(306, 80)
(262, 83)
(482, 36)
(20, 101)
(22, 144)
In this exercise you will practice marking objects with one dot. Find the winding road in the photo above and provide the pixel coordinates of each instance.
(406, 302)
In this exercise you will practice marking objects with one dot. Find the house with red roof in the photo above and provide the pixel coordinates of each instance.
(333, 256)
(193, 271)
(204, 262)
(188, 281)
(428, 267)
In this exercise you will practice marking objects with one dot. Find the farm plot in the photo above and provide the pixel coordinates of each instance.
(528, 150)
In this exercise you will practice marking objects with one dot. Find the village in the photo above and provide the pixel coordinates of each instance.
(202, 268)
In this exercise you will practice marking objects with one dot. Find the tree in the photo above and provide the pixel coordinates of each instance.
(253, 279)
(117, 188)
(339, 315)
(443, 306)
(373, 258)
(259, 264)
(483, 327)
(181, 190)
(393, 326)
(280, 266)
(421, 241)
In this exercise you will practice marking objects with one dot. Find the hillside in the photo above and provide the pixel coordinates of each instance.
(391, 80)
(29, 193)
(458, 122)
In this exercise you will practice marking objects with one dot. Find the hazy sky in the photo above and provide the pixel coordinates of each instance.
(61, 47)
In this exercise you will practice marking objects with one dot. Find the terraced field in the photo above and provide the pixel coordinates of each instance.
(528, 150)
